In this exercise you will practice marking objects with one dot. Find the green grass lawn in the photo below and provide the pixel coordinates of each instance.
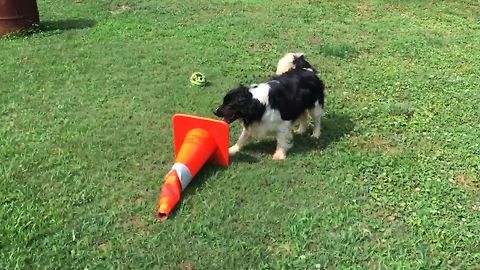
(85, 137)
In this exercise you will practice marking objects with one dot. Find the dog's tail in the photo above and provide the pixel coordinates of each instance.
(293, 61)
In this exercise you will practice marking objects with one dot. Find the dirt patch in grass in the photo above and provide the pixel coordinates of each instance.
(374, 143)
(118, 9)
(384, 215)
(135, 223)
(187, 266)
(476, 206)
(103, 247)
(314, 40)
(140, 197)
(282, 249)
(364, 11)
(466, 182)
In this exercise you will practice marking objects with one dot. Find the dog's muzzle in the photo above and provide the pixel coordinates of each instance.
(218, 112)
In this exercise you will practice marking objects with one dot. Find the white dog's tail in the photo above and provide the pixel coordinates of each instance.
(286, 62)
(291, 61)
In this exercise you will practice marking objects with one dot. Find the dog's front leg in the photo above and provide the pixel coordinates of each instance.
(242, 140)
(284, 141)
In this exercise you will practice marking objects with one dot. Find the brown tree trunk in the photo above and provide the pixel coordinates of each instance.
(17, 15)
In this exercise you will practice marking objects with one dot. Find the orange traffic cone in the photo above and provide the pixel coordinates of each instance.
(196, 140)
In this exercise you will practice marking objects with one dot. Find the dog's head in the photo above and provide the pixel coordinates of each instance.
(239, 103)
(234, 104)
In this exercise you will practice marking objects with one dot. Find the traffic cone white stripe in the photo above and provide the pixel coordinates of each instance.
(183, 174)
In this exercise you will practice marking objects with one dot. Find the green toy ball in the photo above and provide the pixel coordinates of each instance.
(198, 79)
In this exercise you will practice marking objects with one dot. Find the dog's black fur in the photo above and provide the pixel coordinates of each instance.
(302, 63)
(239, 103)
(291, 93)
(298, 91)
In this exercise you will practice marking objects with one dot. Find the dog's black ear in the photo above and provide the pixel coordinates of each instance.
(242, 87)
(252, 110)
(256, 108)
(243, 92)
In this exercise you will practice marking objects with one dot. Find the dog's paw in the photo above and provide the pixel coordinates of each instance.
(301, 130)
(316, 135)
(233, 150)
(279, 155)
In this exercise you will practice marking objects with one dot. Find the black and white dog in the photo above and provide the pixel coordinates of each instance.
(273, 106)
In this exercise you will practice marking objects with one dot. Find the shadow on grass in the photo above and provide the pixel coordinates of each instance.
(209, 171)
(243, 157)
(65, 25)
(334, 127)
(52, 28)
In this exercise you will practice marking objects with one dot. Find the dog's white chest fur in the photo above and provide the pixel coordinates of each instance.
(271, 120)
(270, 123)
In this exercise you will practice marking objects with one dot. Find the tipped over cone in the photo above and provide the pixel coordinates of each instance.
(169, 195)
(196, 140)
